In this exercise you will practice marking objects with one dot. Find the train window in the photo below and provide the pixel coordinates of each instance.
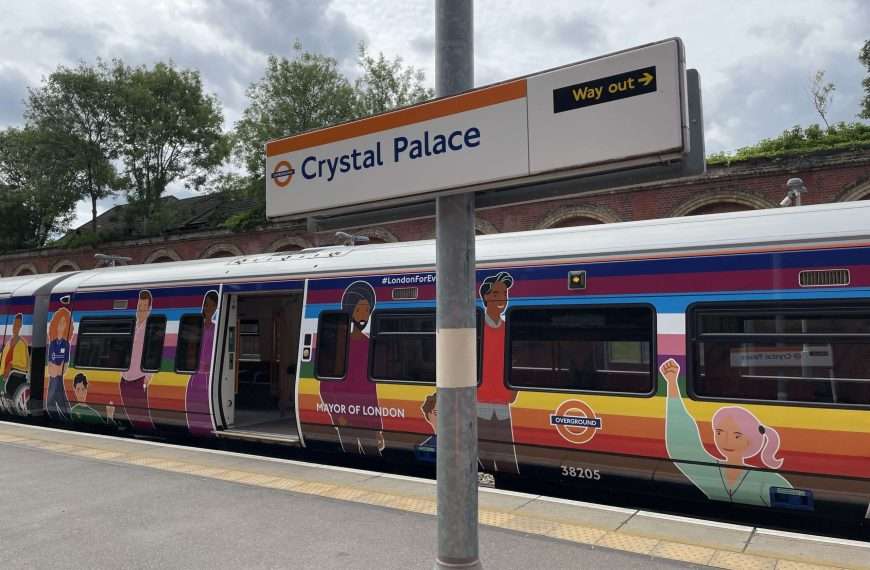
(189, 340)
(332, 334)
(152, 349)
(792, 353)
(598, 349)
(104, 343)
(403, 346)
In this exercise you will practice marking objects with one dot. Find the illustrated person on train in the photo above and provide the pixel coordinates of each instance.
(59, 331)
(196, 399)
(134, 381)
(738, 436)
(357, 432)
(497, 452)
(425, 450)
(15, 361)
(82, 412)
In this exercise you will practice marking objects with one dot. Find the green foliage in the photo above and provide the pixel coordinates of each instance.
(37, 189)
(386, 85)
(246, 191)
(81, 239)
(822, 95)
(304, 93)
(168, 130)
(74, 108)
(864, 58)
(295, 95)
(798, 141)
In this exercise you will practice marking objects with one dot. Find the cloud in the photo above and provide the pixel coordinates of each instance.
(756, 58)
(761, 97)
(227, 41)
(423, 45)
(272, 26)
(13, 92)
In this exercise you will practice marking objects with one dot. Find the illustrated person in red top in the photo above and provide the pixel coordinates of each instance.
(497, 453)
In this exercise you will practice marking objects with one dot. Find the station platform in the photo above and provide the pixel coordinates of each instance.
(77, 499)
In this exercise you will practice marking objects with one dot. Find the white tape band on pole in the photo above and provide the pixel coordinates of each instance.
(456, 358)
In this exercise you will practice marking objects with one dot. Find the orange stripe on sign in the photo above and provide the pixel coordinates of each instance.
(417, 114)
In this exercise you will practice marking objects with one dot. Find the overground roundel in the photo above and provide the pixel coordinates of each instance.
(283, 173)
(575, 421)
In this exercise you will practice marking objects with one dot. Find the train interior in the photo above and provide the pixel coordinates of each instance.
(265, 347)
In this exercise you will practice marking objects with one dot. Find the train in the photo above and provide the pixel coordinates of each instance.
(723, 358)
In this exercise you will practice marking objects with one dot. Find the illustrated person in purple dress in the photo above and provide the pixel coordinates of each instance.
(353, 401)
(134, 381)
(197, 394)
(59, 330)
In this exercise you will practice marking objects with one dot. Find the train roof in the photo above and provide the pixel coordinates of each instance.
(845, 221)
(26, 285)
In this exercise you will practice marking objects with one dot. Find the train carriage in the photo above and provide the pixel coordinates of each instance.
(723, 357)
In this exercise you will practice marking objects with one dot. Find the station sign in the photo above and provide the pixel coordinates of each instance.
(627, 108)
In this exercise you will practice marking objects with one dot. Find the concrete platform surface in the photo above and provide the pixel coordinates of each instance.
(75, 500)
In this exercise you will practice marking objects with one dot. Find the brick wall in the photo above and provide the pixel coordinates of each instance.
(755, 184)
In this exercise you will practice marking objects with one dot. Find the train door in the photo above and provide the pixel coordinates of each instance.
(225, 394)
(258, 373)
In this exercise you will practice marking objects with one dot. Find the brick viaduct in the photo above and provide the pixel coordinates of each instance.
(759, 183)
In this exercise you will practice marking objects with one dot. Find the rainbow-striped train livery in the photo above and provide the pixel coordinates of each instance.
(725, 357)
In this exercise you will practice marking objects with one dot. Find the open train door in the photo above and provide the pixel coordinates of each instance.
(259, 340)
(225, 390)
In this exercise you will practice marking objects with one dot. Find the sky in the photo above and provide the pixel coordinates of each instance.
(756, 58)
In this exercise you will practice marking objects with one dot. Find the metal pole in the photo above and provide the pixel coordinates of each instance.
(456, 375)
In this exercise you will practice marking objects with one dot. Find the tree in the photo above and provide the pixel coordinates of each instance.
(168, 130)
(309, 92)
(294, 95)
(37, 189)
(822, 94)
(864, 58)
(387, 85)
(74, 108)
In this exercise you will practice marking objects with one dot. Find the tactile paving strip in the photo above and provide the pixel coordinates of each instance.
(616, 540)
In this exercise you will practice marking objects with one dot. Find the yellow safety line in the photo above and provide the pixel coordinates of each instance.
(613, 539)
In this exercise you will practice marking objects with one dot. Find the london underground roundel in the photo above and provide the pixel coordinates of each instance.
(575, 421)
(283, 173)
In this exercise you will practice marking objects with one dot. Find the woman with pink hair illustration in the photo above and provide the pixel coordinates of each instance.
(738, 436)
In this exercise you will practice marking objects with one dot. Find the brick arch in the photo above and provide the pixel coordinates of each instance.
(742, 200)
(859, 192)
(221, 250)
(289, 243)
(377, 235)
(484, 227)
(109, 263)
(25, 269)
(65, 265)
(563, 216)
(163, 255)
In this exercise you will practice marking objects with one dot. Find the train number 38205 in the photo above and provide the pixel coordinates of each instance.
(580, 472)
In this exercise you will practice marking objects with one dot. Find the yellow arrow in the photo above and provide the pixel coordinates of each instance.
(646, 78)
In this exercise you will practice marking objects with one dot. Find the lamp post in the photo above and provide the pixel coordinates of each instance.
(456, 354)
(111, 259)
(796, 188)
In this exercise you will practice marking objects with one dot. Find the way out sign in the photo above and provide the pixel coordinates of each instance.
(616, 111)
